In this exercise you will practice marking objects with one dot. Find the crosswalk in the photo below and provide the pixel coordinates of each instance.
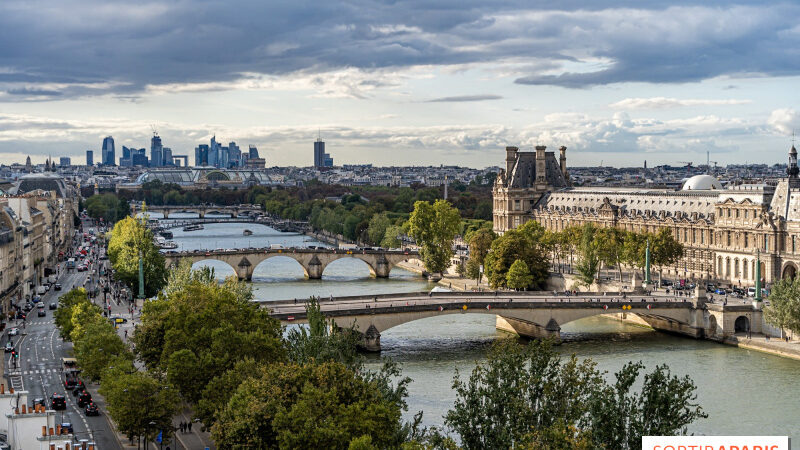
(38, 322)
(34, 372)
(16, 381)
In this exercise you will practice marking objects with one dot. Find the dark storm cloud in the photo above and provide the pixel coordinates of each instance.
(466, 98)
(120, 46)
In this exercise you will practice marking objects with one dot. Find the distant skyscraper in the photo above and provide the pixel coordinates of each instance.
(253, 152)
(319, 153)
(201, 155)
(65, 161)
(89, 158)
(234, 155)
(167, 157)
(108, 154)
(156, 151)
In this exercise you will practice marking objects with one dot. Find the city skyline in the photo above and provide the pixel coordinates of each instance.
(614, 81)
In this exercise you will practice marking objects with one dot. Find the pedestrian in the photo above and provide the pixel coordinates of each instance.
(180, 426)
(190, 427)
(126, 334)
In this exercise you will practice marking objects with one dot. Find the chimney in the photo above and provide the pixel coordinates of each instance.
(51, 431)
(562, 160)
(44, 430)
(511, 158)
(541, 167)
(58, 430)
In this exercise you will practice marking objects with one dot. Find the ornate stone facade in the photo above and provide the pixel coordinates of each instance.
(721, 230)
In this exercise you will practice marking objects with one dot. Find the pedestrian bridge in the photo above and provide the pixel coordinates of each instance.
(200, 210)
(528, 314)
(313, 261)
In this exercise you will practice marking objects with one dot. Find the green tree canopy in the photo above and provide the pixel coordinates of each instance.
(378, 225)
(523, 243)
(784, 305)
(63, 314)
(130, 238)
(519, 277)
(434, 227)
(528, 395)
(310, 406)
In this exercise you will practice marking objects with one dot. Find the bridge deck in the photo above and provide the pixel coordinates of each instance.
(289, 310)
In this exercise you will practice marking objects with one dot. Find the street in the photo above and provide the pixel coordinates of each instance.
(39, 366)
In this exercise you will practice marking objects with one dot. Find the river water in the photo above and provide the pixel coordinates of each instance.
(744, 392)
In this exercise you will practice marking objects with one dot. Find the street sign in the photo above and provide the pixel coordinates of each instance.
(158, 438)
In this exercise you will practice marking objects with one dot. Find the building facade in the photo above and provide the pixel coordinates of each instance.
(723, 230)
(108, 152)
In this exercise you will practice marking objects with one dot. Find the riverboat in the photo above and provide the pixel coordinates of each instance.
(193, 227)
(247, 233)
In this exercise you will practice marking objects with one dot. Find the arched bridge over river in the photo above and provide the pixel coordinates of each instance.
(530, 314)
(313, 261)
(200, 210)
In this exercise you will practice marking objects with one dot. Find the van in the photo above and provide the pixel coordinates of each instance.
(275, 247)
(41, 290)
(71, 263)
(751, 292)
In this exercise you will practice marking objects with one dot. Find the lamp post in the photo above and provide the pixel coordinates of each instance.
(647, 281)
(141, 277)
(757, 297)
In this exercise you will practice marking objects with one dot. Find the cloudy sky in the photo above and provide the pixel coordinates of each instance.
(404, 82)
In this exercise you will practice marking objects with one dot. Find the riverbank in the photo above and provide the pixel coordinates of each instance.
(448, 281)
(774, 346)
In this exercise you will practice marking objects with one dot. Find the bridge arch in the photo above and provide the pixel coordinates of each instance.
(275, 259)
(741, 324)
(348, 260)
(205, 261)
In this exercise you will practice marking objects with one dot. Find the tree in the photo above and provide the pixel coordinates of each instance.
(97, 348)
(202, 329)
(664, 406)
(519, 390)
(63, 314)
(434, 226)
(378, 225)
(131, 239)
(134, 399)
(310, 406)
(519, 277)
(784, 305)
(589, 253)
(611, 246)
(391, 239)
(480, 242)
(522, 243)
(322, 341)
(531, 397)
(665, 250)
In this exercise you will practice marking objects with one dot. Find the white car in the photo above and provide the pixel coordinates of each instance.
(13, 331)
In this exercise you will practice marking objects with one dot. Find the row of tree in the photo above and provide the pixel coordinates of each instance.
(107, 207)
(529, 249)
(134, 398)
(129, 242)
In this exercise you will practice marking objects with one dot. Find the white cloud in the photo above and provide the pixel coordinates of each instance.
(669, 102)
(785, 121)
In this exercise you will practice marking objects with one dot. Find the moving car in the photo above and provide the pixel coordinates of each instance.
(9, 347)
(84, 399)
(13, 331)
(41, 313)
(53, 306)
(67, 426)
(58, 402)
(91, 410)
(57, 286)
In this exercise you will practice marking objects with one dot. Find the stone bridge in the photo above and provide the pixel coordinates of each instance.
(200, 210)
(530, 314)
(313, 261)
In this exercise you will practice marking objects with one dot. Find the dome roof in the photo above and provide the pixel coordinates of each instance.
(701, 183)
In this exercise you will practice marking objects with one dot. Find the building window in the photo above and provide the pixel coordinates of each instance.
(516, 205)
(792, 243)
(746, 213)
(728, 234)
(736, 268)
(727, 267)
(744, 269)
(766, 243)
(729, 212)
(702, 236)
(737, 213)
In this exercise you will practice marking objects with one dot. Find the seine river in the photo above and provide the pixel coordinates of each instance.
(743, 391)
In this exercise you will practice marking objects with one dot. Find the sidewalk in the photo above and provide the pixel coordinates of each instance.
(196, 439)
(774, 346)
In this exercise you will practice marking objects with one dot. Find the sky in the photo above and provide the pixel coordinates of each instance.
(421, 82)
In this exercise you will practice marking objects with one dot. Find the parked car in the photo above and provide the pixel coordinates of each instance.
(57, 286)
(67, 426)
(41, 313)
